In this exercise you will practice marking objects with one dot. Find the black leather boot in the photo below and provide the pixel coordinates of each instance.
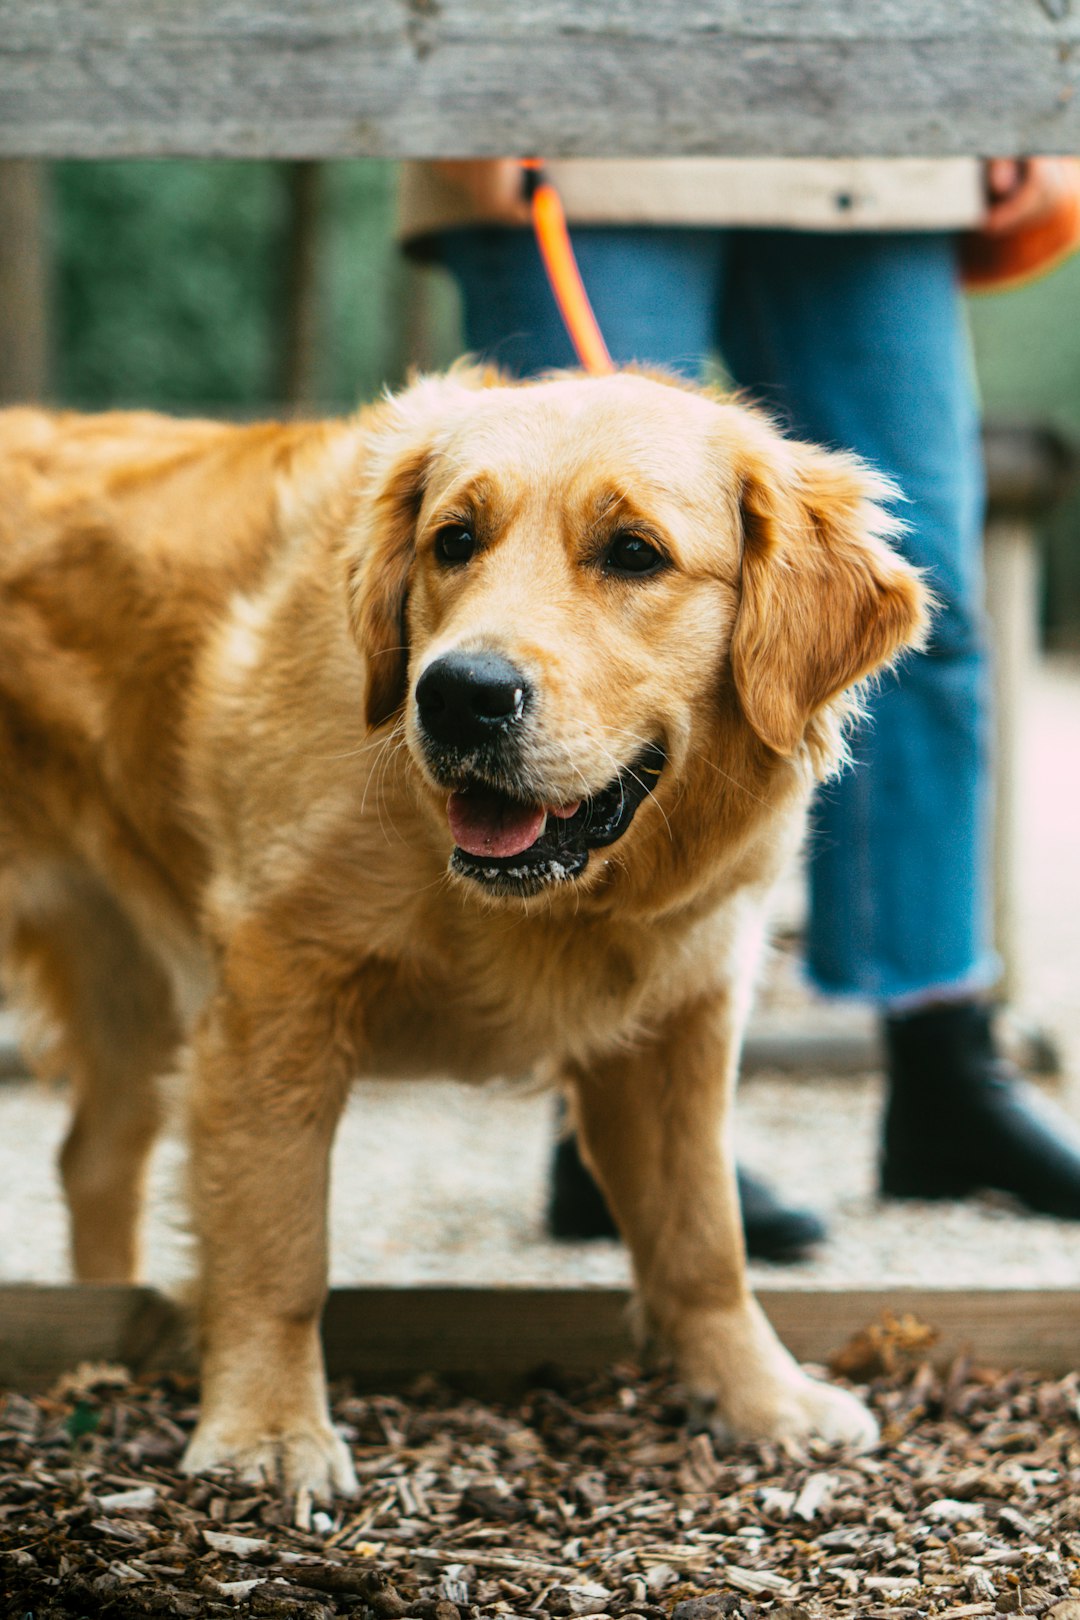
(576, 1210)
(960, 1118)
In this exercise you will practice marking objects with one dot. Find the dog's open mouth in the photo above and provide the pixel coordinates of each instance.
(517, 848)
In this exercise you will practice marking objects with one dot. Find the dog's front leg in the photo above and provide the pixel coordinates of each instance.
(654, 1125)
(271, 1071)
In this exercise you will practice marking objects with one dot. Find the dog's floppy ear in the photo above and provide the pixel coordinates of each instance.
(824, 599)
(403, 438)
(379, 582)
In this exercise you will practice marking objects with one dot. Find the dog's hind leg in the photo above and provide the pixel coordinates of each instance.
(104, 1008)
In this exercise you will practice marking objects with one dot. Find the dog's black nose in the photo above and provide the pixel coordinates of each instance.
(466, 699)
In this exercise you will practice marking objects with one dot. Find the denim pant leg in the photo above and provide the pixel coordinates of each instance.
(654, 293)
(861, 341)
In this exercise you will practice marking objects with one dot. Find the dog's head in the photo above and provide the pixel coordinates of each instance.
(561, 587)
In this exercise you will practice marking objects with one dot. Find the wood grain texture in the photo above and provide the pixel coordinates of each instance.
(23, 286)
(395, 78)
(494, 1336)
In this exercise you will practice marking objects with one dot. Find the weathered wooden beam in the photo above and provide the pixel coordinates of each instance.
(300, 321)
(395, 78)
(48, 1329)
(23, 284)
(802, 1050)
(492, 1337)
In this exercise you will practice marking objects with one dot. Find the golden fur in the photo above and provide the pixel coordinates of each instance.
(220, 832)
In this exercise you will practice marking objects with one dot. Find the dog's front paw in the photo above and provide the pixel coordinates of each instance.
(745, 1386)
(792, 1409)
(309, 1463)
(847, 1421)
(825, 1412)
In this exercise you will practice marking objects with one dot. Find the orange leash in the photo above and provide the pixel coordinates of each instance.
(556, 250)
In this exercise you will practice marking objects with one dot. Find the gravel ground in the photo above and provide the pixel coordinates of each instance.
(455, 1191)
(578, 1499)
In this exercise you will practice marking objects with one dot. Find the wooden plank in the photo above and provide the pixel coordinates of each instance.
(790, 1051)
(395, 78)
(491, 1337)
(805, 1049)
(800, 1049)
(300, 324)
(511, 1331)
(46, 1330)
(23, 284)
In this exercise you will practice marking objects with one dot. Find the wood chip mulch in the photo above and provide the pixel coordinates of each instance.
(581, 1498)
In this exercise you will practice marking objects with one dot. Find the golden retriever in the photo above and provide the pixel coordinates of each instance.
(463, 737)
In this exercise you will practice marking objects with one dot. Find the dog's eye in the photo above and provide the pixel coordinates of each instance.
(632, 554)
(454, 544)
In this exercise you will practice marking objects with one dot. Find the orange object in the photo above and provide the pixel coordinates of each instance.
(556, 250)
(996, 263)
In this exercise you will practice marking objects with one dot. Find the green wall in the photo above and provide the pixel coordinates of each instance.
(171, 283)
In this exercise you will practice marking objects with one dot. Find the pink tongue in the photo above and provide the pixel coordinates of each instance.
(486, 823)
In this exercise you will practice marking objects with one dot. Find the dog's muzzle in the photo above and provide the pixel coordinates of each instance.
(471, 707)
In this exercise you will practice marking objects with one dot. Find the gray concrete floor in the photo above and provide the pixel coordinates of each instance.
(454, 1189)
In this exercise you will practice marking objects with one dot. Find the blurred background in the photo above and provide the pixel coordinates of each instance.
(237, 289)
(241, 287)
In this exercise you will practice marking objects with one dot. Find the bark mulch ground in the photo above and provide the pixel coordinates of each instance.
(580, 1498)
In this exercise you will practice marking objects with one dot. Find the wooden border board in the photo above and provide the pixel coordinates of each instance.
(789, 1050)
(422, 78)
(493, 1337)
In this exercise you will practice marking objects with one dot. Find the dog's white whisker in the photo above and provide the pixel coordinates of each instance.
(735, 783)
(351, 753)
(386, 743)
(397, 741)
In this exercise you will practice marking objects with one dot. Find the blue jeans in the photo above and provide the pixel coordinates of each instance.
(856, 341)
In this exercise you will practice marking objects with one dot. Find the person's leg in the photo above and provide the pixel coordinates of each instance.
(655, 294)
(860, 341)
